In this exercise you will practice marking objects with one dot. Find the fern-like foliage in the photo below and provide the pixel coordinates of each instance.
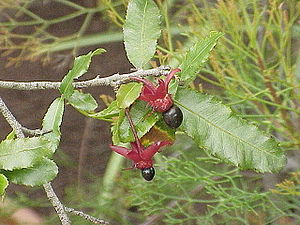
(290, 186)
(200, 190)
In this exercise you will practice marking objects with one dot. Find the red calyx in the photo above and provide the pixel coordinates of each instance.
(157, 95)
(141, 156)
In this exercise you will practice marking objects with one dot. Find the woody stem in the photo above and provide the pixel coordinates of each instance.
(137, 140)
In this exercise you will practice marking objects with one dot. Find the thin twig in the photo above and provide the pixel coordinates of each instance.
(58, 206)
(137, 140)
(86, 216)
(11, 119)
(112, 80)
(48, 188)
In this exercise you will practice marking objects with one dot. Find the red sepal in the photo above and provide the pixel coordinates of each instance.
(141, 157)
(157, 95)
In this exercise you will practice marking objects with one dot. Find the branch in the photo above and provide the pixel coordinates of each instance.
(59, 208)
(11, 119)
(112, 80)
(85, 216)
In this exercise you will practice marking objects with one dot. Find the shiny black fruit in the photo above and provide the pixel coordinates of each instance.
(148, 173)
(173, 117)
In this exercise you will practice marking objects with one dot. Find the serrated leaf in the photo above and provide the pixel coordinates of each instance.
(141, 31)
(214, 127)
(3, 184)
(159, 132)
(143, 119)
(173, 86)
(82, 101)
(52, 121)
(40, 173)
(106, 114)
(23, 152)
(11, 135)
(80, 67)
(197, 55)
(128, 93)
(115, 129)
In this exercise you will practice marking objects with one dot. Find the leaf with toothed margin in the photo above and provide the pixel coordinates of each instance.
(11, 135)
(40, 173)
(107, 114)
(143, 119)
(23, 152)
(159, 132)
(80, 67)
(197, 55)
(213, 126)
(141, 31)
(116, 127)
(128, 93)
(52, 121)
(82, 101)
(3, 184)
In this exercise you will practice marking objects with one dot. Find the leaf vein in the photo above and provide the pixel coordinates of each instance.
(223, 130)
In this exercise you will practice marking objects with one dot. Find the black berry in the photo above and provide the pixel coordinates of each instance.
(148, 173)
(173, 117)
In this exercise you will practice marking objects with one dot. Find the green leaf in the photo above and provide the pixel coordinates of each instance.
(23, 152)
(173, 86)
(80, 67)
(214, 127)
(197, 55)
(115, 129)
(141, 31)
(11, 135)
(159, 132)
(82, 101)
(143, 119)
(106, 114)
(40, 173)
(128, 93)
(3, 184)
(52, 121)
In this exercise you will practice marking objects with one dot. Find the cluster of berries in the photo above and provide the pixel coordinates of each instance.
(160, 100)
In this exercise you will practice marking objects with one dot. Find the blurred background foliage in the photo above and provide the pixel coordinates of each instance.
(254, 69)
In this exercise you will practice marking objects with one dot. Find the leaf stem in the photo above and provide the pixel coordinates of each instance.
(85, 216)
(59, 208)
(137, 140)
